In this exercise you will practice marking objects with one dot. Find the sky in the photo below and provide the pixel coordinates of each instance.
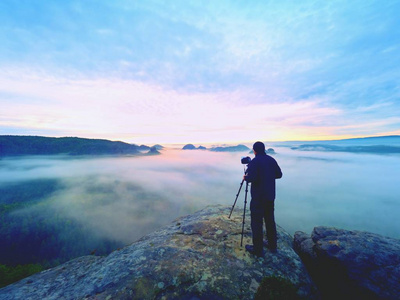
(223, 71)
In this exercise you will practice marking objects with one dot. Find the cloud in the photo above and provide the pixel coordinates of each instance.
(129, 109)
(154, 64)
(124, 198)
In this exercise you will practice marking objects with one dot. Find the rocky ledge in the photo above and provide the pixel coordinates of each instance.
(197, 257)
(351, 264)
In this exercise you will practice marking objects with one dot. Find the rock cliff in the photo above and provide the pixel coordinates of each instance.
(351, 264)
(196, 257)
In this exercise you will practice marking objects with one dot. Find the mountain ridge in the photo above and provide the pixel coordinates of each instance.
(368, 140)
(15, 145)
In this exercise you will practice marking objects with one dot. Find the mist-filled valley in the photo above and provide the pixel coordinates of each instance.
(54, 208)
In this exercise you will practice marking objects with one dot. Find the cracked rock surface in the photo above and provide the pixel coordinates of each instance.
(196, 257)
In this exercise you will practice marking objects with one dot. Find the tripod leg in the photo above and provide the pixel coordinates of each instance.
(244, 213)
(237, 195)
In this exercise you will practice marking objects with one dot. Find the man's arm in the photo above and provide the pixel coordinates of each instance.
(278, 172)
(250, 172)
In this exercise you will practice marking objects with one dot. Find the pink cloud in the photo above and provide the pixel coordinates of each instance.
(139, 112)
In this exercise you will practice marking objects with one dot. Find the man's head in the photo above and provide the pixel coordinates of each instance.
(259, 147)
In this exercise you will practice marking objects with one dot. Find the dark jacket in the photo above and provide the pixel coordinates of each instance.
(262, 172)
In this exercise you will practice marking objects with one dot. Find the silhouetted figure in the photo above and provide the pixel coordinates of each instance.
(262, 172)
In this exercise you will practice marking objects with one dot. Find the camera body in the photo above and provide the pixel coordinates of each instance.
(245, 160)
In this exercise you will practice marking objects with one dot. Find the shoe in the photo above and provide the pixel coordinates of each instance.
(271, 249)
(250, 249)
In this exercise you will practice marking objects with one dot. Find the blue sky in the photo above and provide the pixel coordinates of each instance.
(200, 71)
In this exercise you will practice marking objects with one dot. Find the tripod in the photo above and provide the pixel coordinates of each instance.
(244, 209)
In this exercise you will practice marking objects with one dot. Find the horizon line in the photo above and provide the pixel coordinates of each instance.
(217, 143)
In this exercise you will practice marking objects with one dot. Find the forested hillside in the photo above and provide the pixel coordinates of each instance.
(38, 145)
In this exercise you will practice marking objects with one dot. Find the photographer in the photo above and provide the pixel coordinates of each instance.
(262, 172)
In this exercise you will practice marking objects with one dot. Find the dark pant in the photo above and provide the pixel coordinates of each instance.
(262, 210)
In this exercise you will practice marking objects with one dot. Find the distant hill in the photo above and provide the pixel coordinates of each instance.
(389, 140)
(142, 147)
(145, 148)
(237, 148)
(375, 140)
(193, 147)
(153, 151)
(158, 147)
(189, 147)
(38, 145)
(356, 149)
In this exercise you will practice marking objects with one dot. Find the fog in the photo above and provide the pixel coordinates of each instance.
(345, 190)
(124, 198)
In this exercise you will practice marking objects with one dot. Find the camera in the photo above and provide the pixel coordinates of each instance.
(245, 160)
